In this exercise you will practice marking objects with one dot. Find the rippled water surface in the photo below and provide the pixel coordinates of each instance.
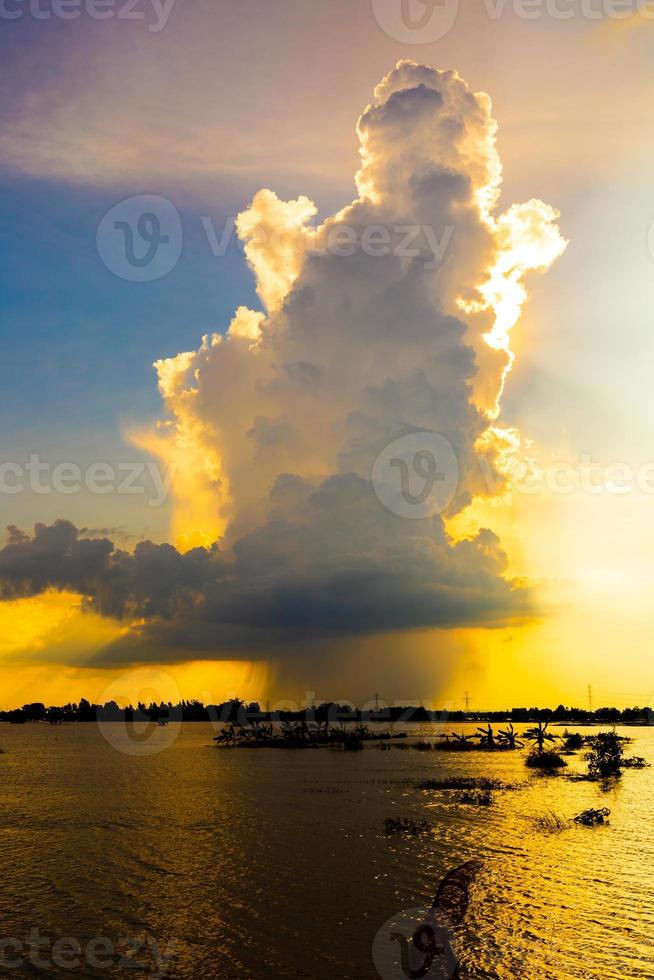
(274, 863)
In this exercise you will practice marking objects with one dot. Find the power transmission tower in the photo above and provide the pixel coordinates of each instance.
(590, 698)
(467, 702)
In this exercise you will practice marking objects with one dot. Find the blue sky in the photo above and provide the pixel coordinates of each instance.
(74, 333)
(79, 342)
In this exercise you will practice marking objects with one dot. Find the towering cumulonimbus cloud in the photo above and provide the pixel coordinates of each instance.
(391, 317)
(362, 340)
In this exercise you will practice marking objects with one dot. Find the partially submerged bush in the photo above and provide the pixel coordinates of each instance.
(593, 818)
(463, 782)
(348, 742)
(635, 762)
(606, 757)
(406, 825)
(548, 759)
(298, 735)
(553, 823)
(573, 742)
(477, 797)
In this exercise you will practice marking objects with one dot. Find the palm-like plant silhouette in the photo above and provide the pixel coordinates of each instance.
(261, 732)
(539, 735)
(230, 735)
(508, 738)
(486, 737)
(294, 731)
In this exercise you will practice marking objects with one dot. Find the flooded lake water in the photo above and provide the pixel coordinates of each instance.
(272, 863)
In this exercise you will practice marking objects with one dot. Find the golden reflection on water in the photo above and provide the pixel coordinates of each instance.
(275, 864)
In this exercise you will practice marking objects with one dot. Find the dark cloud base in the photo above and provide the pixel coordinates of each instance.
(330, 562)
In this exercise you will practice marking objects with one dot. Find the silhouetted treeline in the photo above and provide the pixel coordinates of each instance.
(241, 712)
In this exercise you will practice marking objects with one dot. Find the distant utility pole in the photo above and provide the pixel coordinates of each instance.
(376, 702)
(590, 698)
(467, 702)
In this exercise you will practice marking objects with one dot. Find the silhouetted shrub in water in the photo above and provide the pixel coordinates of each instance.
(351, 743)
(548, 760)
(303, 735)
(606, 757)
(477, 797)
(406, 825)
(593, 818)
(553, 823)
(635, 762)
(464, 782)
(573, 742)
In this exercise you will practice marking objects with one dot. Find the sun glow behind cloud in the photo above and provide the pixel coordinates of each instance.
(528, 241)
(279, 243)
(273, 426)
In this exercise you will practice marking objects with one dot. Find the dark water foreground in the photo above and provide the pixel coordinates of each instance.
(270, 863)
